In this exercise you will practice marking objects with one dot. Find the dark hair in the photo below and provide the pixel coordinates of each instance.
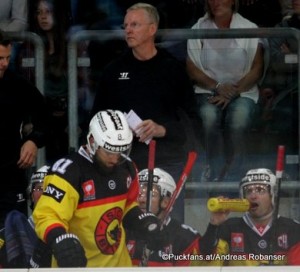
(4, 40)
(60, 28)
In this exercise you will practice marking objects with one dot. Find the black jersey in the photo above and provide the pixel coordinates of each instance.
(178, 241)
(243, 243)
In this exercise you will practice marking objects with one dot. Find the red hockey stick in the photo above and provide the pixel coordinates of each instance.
(279, 171)
(151, 162)
(192, 156)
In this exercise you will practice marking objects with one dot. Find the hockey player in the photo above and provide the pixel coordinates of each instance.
(35, 188)
(176, 241)
(18, 238)
(90, 196)
(251, 240)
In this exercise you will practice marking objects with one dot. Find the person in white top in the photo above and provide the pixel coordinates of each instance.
(225, 73)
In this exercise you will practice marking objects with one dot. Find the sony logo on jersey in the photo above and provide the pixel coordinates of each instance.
(54, 192)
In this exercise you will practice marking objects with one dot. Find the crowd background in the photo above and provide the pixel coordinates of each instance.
(73, 15)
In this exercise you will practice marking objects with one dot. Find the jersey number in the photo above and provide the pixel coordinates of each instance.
(61, 165)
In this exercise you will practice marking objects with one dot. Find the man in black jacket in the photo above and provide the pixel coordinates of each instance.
(20, 103)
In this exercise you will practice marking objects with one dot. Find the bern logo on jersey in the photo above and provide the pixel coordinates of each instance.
(108, 231)
(89, 191)
(124, 75)
(237, 242)
(54, 192)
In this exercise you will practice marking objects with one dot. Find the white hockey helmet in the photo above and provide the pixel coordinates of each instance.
(259, 176)
(38, 177)
(110, 130)
(163, 179)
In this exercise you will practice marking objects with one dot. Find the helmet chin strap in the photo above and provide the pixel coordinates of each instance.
(160, 210)
(265, 217)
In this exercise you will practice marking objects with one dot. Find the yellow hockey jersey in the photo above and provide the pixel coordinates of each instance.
(90, 203)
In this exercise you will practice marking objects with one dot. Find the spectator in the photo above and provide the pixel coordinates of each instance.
(251, 239)
(226, 73)
(18, 238)
(151, 82)
(90, 197)
(280, 86)
(13, 17)
(20, 101)
(175, 238)
(51, 23)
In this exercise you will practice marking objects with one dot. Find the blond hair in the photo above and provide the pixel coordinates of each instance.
(149, 9)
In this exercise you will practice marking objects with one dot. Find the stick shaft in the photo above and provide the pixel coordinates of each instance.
(151, 163)
(279, 171)
(192, 156)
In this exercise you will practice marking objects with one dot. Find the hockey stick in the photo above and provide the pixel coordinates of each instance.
(192, 156)
(151, 163)
(279, 172)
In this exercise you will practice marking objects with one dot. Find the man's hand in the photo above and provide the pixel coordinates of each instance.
(148, 129)
(28, 154)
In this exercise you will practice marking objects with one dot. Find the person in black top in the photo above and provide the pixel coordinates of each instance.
(153, 84)
(20, 103)
(255, 238)
(174, 239)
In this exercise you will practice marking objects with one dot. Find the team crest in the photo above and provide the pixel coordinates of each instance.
(237, 242)
(108, 231)
(89, 192)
